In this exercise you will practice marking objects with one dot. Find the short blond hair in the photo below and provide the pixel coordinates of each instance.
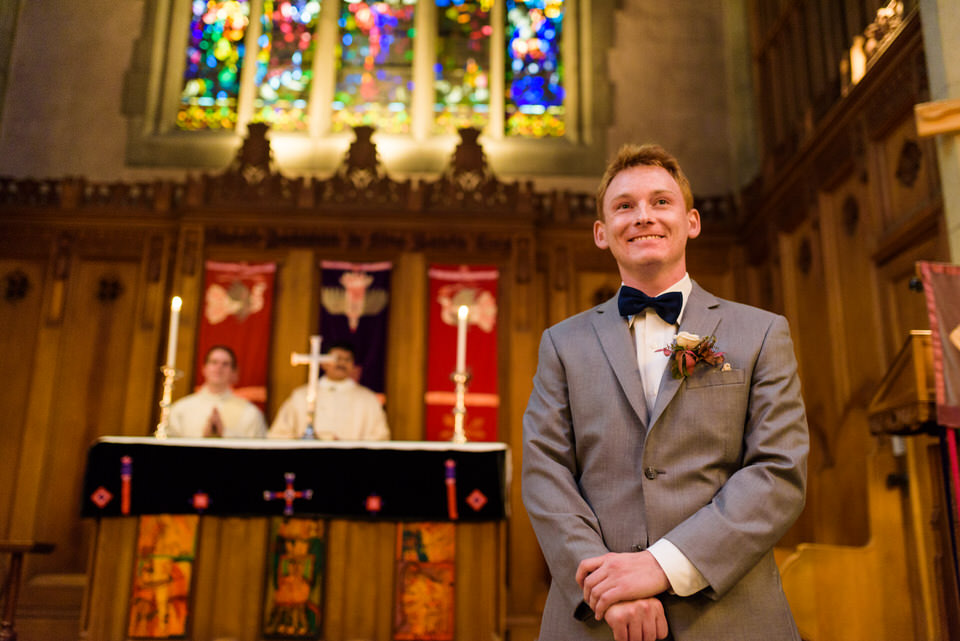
(651, 155)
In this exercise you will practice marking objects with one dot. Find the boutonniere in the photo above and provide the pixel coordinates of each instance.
(688, 349)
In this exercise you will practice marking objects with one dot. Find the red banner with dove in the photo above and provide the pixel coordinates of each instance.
(450, 287)
(238, 313)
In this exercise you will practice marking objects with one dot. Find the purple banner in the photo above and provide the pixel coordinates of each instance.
(354, 306)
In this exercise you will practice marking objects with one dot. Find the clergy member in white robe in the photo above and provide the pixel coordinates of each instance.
(345, 410)
(214, 410)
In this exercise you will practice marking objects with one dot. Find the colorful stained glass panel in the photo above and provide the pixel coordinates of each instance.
(375, 66)
(211, 79)
(461, 73)
(534, 75)
(285, 63)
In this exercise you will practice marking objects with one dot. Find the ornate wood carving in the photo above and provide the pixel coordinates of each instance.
(361, 179)
(109, 289)
(191, 253)
(16, 284)
(891, 99)
(469, 183)
(29, 191)
(908, 163)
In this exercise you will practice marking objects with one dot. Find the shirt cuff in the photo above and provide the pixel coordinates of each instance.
(685, 579)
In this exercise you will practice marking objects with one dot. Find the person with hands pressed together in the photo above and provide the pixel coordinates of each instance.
(665, 440)
(214, 410)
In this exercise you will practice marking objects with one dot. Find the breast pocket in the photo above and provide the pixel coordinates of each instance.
(715, 376)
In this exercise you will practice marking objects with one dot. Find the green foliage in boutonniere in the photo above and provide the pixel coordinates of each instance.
(687, 350)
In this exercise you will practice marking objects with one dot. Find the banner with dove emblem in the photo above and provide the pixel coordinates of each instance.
(238, 313)
(450, 287)
(355, 301)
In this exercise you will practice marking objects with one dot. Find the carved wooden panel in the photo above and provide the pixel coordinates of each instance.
(20, 312)
(906, 165)
(87, 380)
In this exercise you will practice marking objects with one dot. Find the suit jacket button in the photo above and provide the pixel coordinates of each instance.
(650, 473)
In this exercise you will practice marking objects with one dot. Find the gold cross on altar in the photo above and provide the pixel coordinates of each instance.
(313, 360)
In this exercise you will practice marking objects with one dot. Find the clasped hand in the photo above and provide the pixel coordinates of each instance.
(625, 579)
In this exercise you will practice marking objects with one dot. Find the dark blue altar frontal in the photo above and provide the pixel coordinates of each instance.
(389, 480)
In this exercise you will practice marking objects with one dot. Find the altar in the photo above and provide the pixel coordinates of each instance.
(364, 493)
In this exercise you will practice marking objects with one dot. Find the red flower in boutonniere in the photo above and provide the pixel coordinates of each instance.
(689, 349)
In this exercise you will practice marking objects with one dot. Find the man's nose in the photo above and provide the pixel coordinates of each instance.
(641, 215)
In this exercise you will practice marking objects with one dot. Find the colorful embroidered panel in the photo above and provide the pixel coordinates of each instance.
(375, 66)
(211, 78)
(160, 598)
(424, 607)
(534, 74)
(461, 73)
(295, 566)
(285, 63)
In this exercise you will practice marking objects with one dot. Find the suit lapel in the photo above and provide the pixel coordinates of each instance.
(700, 316)
(621, 352)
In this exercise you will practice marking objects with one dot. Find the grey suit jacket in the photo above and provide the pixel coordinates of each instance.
(718, 467)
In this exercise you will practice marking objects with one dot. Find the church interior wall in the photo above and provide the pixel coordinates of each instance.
(828, 235)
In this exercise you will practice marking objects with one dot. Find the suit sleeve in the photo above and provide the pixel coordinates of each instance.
(758, 502)
(565, 524)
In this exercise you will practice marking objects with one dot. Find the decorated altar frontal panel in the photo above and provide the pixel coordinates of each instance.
(354, 480)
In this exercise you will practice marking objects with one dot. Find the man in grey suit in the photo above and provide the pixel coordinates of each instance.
(665, 440)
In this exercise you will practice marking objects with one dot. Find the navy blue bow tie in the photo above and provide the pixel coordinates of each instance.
(632, 301)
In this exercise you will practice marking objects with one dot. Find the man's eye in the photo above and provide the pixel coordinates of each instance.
(662, 201)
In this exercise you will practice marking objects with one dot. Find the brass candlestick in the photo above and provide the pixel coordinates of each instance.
(170, 375)
(460, 380)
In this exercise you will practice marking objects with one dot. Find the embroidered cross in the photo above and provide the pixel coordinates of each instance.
(288, 494)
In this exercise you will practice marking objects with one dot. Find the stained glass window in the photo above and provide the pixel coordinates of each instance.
(461, 72)
(285, 63)
(375, 66)
(368, 67)
(534, 75)
(214, 60)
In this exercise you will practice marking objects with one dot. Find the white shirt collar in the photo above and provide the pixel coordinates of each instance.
(221, 396)
(336, 385)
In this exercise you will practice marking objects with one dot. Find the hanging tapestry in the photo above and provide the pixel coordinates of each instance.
(355, 300)
(238, 312)
(295, 566)
(160, 597)
(941, 283)
(424, 607)
(450, 287)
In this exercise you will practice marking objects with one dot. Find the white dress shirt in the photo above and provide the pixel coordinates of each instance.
(652, 333)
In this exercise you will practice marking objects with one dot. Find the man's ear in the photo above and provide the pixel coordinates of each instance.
(600, 235)
(693, 217)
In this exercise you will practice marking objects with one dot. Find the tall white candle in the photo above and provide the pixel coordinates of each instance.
(174, 327)
(462, 312)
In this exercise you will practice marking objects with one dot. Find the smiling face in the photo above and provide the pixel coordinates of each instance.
(645, 225)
